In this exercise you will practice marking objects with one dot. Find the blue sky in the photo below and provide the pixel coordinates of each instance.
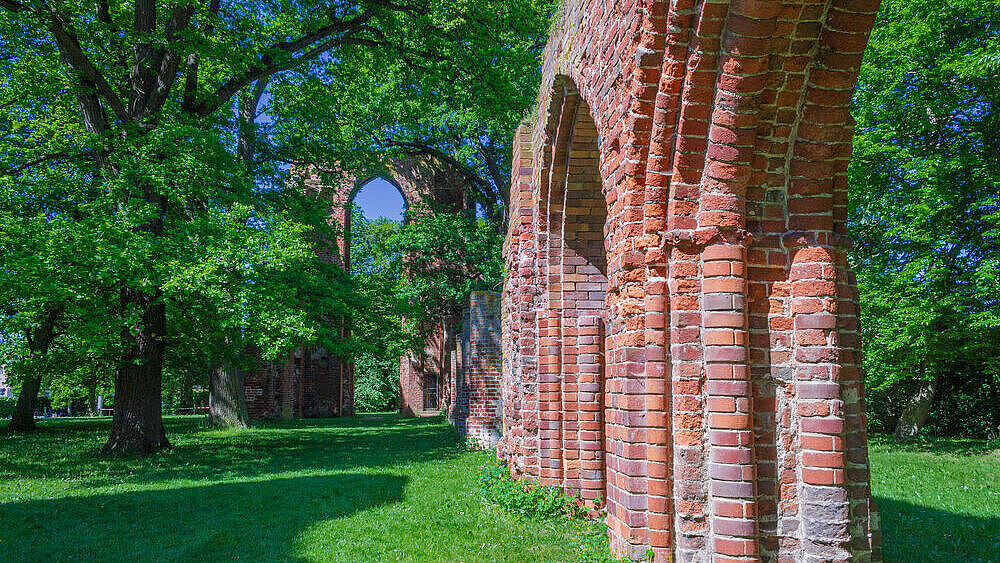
(378, 198)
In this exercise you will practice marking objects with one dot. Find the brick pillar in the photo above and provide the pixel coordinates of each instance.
(482, 370)
(730, 437)
(590, 406)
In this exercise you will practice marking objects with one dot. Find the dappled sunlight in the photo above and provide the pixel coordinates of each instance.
(200, 454)
(349, 489)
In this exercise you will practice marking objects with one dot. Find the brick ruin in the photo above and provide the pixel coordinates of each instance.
(680, 329)
(458, 372)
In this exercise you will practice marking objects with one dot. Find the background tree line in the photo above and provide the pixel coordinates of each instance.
(148, 221)
(925, 217)
(150, 228)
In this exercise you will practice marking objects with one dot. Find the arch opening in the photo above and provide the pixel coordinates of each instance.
(378, 200)
(578, 281)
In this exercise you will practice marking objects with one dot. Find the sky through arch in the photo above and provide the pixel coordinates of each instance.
(378, 199)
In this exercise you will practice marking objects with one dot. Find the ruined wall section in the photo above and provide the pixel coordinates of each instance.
(314, 383)
(732, 396)
(477, 412)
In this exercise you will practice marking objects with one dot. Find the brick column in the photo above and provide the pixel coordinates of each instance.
(482, 370)
(730, 437)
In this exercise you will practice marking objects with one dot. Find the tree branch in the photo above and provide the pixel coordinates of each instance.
(189, 100)
(169, 60)
(247, 123)
(478, 182)
(15, 7)
(65, 156)
(74, 57)
(267, 65)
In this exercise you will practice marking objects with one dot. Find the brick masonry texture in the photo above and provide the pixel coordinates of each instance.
(477, 412)
(680, 334)
(463, 358)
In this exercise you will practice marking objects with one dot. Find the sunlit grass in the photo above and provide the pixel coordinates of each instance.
(382, 489)
(939, 499)
(331, 490)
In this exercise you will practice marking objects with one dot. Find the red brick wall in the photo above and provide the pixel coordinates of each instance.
(728, 393)
(322, 385)
(418, 371)
(307, 384)
(476, 411)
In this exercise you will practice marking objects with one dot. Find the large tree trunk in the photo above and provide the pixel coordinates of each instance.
(226, 396)
(227, 402)
(915, 414)
(23, 419)
(92, 409)
(137, 423)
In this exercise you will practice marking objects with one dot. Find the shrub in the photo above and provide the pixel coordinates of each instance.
(527, 497)
(539, 501)
(376, 383)
(7, 406)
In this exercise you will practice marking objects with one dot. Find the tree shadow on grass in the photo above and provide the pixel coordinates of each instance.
(250, 521)
(934, 445)
(203, 454)
(913, 533)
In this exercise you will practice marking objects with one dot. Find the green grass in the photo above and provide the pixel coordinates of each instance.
(939, 499)
(382, 489)
(331, 490)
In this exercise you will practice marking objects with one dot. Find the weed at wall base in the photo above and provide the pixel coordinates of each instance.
(534, 500)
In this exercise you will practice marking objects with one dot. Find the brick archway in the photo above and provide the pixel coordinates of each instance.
(572, 306)
(734, 420)
(313, 383)
(410, 198)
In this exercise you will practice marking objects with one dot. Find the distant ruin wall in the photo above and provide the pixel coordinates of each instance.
(308, 384)
(478, 410)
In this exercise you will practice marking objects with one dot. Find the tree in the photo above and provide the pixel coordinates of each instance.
(447, 256)
(925, 181)
(455, 97)
(152, 83)
(202, 236)
(378, 323)
(411, 277)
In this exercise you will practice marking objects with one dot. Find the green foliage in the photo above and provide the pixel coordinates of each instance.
(530, 499)
(7, 406)
(446, 257)
(376, 383)
(408, 277)
(378, 320)
(132, 163)
(455, 95)
(925, 215)
(525, 496)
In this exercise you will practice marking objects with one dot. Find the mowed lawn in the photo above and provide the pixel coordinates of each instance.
(381, 489)
(939, 499)
(322, 490)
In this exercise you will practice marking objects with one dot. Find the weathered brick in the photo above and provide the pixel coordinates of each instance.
(694, 305)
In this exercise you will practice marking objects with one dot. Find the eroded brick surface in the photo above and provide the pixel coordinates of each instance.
(697, 366)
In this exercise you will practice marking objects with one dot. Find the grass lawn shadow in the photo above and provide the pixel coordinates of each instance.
(255, 520)
(913, 533)
(198, 453)
(339, 490)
